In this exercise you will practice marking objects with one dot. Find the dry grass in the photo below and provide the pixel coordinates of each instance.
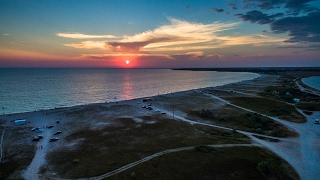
(17, 152)
(235, 118)
(269, 107)
(109, 148)
(219, 163)
(191, 104)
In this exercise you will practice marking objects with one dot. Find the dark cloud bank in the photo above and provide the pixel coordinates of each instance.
(300, 20)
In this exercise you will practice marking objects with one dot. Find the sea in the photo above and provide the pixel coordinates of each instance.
(313, 81)
(30, 89)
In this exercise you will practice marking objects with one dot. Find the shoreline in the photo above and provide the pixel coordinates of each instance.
(105, 90)
(309, 85)
(106, 102)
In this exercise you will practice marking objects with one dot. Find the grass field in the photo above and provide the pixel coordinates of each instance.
(191, 106)
(217, 163)
(17, 155)
(269, 107)
(109, 148)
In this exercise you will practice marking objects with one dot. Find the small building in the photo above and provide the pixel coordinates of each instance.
(296, 100)
(20, 122)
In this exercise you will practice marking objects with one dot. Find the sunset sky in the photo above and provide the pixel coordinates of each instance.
(159, 33)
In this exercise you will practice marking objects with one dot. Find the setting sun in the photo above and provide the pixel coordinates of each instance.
(127, 61)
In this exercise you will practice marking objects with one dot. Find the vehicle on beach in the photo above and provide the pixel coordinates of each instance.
(20, 122)
(35, 128)
(146, 99)
(53, 139)
(36, 138)
(316, 121)
(58, 132)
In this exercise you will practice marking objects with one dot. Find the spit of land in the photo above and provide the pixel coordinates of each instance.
(258, 129)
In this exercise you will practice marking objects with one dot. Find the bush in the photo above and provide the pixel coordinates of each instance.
(222, 119)
(264, 167)
(256, 118)
(207, 113)
(259, 130)
(258, 125)
(276, 132)
(264, 122)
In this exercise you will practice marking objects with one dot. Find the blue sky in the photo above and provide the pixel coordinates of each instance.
(159, 33)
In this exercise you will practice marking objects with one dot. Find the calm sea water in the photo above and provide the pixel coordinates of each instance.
(313, 82)
(24, 90)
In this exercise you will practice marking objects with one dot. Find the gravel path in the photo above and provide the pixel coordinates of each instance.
(39, 158)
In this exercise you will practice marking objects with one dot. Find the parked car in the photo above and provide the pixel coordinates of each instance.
(316, 121)
(35, 128)
(58, 132)
(53, 139)
(143, 106)
(50, 126)
(36, 138)
(40, 136)
(39, 130)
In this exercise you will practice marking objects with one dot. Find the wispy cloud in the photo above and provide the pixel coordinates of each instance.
(88, 44)
(178, 37)
(101, 56)
(177, 33)
(6, 34)
(83, 36)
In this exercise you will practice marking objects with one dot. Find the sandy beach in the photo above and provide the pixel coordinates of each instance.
(178, 107)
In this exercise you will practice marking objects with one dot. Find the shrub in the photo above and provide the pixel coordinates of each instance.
(259, 130)
(207, 113)
(256, 118)
(222, 119)
(264, 167)
(248, 114)
(276, 132)
(258, 125)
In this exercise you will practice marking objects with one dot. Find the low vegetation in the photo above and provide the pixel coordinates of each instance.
(269, 107)
(213, 163)
(231, 117)
(17, 152)
(111, 147)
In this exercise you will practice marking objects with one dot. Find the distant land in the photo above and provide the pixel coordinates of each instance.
(266, 70)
